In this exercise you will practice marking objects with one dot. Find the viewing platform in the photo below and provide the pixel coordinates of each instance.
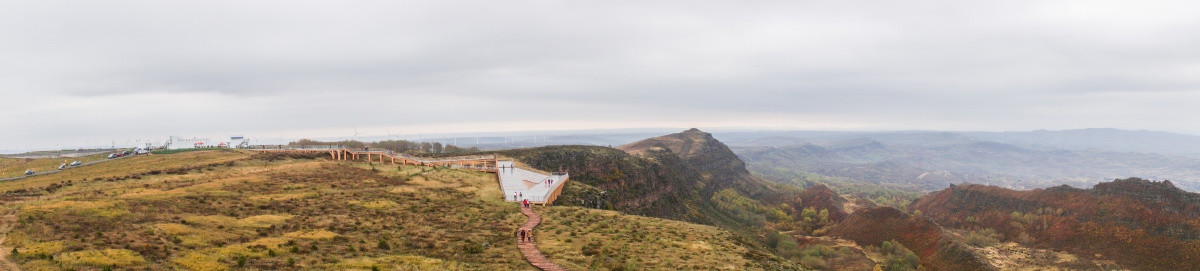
(537, 186)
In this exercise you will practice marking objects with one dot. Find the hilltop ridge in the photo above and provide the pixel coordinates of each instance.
(703, 153)
(673, 176)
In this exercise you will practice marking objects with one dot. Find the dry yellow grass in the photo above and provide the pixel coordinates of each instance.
(404, 190)
(47, 248)
(193, 237)
(283, 196)
(213, 220)
(400, 262)
(90, 208)
(174, 228)
(584, 239)
(40, 265)
(375, 204)
(200, 261)
(263, 221)
(116, 258)
(311, 234)
(222, 182)
(148, 193)
(126, 167)
(12, 167)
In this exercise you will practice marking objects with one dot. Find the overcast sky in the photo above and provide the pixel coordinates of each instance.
(74, 73)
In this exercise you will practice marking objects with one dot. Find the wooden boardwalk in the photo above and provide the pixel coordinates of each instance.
(529, 249)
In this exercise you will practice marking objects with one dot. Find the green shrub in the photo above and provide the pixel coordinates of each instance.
(982, 238)
(821, 251)
(473, 248)
(814, 262)
(898, 257)
(590, 249)
(788, 248)
(773, 238)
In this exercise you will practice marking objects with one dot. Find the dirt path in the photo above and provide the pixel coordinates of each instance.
(529, 249)
(7, 222)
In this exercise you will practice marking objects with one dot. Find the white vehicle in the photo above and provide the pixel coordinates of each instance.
(64, 165)
(75, 164)
(28, 172)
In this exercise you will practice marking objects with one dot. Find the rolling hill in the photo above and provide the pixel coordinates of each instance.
(221, 210)
(1142, 224)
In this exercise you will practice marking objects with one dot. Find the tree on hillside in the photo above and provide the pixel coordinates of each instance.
(344, 143)
(456, 149)
(397, 145)
(898, 257)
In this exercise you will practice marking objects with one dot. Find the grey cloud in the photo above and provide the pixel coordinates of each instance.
(282, 66)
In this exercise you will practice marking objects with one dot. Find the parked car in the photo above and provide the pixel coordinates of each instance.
(76, 163)
(28, 172)
(64, 165)
(111, 156)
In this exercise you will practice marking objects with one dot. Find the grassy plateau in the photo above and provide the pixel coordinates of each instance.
(237, 210)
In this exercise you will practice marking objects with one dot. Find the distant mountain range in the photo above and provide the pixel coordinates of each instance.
(1100, 139)
(924, 161)
(1094, 139)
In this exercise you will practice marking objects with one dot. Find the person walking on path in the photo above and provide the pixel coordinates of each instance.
(528, 247)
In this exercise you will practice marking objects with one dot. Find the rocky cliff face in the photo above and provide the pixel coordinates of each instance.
(628, 183)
